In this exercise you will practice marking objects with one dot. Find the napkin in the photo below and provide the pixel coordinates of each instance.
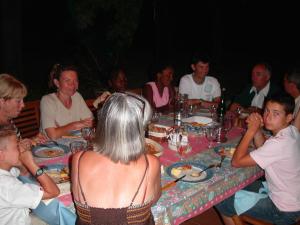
(245, 200)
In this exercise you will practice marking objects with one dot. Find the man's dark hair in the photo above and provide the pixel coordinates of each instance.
(285, 100)
(198, 57)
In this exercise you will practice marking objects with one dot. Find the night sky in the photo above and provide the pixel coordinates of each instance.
(236, 34)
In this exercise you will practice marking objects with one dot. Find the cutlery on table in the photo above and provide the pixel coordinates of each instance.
(172, 183)
(197, 174)
(222, 159)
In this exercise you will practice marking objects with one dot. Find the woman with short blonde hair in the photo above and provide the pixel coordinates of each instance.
(10, 87)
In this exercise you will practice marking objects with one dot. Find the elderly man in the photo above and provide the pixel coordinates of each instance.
(253, 96)
(291, 84)
(201, 89)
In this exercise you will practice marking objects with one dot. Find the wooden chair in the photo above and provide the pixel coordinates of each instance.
(138, 91)
(28, 122)
(245, 220)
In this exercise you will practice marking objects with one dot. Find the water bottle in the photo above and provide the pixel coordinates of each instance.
(222, 107)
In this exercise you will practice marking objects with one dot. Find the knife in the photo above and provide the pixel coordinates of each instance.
(172, 183)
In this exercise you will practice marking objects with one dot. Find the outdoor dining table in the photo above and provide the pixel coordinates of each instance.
(184, 200)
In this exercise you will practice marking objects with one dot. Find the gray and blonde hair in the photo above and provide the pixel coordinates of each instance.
(10, 87)
(121, 127)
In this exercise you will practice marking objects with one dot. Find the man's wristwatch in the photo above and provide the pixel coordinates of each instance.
(39, 172)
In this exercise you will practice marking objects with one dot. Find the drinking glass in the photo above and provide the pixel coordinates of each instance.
(227, 124)
(213, 112)
(88, 135)
(77, 146)
(211, 134)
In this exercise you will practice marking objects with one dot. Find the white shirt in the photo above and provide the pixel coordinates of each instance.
(208, 90)
(16, 198)
(259, 97)
(297, 105)
(279, 156)
(55, 114)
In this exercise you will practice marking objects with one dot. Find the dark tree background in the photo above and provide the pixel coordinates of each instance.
(96, 34)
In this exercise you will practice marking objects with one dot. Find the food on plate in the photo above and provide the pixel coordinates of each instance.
(176, 172)
(59, 175)
(195, 174)
(196, 124)
(50, 152)
(157, 129)
(227, 151)
(185, 167)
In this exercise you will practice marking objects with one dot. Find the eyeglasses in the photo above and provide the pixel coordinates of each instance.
(137, 98)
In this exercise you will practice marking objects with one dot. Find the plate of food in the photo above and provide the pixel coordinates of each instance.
(58, 172)
(191, 170)
(50, 150)
(157, 130)
(152, 147)
(197, 121)
(225, 150)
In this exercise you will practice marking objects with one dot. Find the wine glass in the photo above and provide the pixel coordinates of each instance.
(213, 111)
(88, 135)
(227, 124)
(210, 133)
(77, 146)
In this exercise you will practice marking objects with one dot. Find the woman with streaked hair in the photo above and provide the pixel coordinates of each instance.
(118, 182)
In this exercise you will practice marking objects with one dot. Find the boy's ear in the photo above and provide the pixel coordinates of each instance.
(193, 67)
(56, 82)
(289, 117)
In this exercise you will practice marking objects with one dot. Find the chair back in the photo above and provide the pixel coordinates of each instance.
(245, 220)
(28, 122)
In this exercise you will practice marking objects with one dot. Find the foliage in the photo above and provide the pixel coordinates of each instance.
(105, 30)
(116, 19)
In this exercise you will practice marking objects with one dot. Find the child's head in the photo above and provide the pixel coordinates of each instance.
(9, 152)
(278, 112)
(200, 65)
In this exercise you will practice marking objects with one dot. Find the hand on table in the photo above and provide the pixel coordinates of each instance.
(39, 139)
(82, 123)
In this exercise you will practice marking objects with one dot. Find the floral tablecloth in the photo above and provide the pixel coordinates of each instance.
(185, 200)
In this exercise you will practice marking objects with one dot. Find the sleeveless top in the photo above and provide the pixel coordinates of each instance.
(158, 100)
(133, 214)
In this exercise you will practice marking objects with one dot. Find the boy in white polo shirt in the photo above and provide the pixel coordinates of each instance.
(201, 89)
(15, 197)
(279, 156)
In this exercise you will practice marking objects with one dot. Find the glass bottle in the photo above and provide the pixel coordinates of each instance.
(222, 107)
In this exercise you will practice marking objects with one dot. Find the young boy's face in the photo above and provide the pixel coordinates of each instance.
(275, 118)
(10, 155)
(200, 69)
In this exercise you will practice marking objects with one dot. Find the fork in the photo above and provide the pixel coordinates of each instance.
(219, 165)
(209, 167)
